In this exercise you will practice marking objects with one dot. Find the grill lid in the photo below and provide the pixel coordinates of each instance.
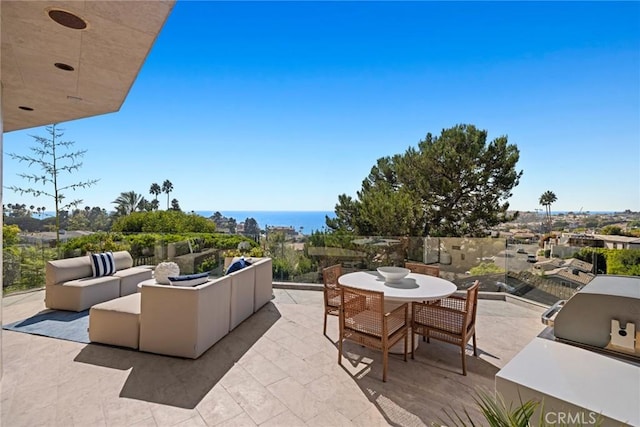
(604, 314)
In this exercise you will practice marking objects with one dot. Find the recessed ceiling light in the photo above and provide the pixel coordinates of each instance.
(62, 66)
(22, 107)
(67, 19)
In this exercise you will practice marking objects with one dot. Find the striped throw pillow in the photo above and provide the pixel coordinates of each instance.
(103, 264)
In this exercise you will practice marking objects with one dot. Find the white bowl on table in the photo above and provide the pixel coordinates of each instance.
(393, 274)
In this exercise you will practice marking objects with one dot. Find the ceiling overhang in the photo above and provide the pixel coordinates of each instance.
(96, 66)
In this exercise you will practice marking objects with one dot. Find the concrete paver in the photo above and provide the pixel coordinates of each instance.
(276, 369)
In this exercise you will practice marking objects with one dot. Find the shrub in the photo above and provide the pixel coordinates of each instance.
(305, 265)
(281, 269)
(10, 235)
(164, 222)
(485, 268)
(231, 253)
(623, 261)
(256, 251)
(228, 241)
(208, 264)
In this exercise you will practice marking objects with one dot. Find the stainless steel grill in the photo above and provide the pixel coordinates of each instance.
(586, 364)
(603, 316)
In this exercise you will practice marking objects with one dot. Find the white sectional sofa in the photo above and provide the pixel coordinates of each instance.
(183, 321)
(70, 284)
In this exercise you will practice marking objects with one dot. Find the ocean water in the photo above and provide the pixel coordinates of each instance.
(308, 221)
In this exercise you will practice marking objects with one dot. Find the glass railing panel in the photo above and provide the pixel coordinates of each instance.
(501, 265)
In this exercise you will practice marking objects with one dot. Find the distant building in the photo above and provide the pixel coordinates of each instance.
(287, 231)
(604, 241)
(618, 242)
(523, 235)
(568, 272)
(571, 263)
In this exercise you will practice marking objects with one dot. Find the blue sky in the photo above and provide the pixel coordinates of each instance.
(284, 106)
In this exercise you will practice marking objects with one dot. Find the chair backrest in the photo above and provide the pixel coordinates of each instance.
(330, 276)
(354, 301)
(472, 304)
(420, 268)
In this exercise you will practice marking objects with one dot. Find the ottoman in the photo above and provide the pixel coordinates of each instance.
(116, 322)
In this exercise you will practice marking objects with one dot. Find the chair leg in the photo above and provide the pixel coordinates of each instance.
(413, 337)
(464, 359)
(385, 360)
(324, 329)
(406, 339)
(475, 351)
(340, 349)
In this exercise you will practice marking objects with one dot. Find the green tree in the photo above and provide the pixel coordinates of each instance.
(251, 227)
(175, 205)
(127, 202)
(155, 190)
(454, 184)
(145, 205)
(546, 199)
(167, 187)
(53, 157)
(79, 220)
(612, 230)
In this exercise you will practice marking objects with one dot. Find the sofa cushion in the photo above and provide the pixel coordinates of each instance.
(189, 279)
(123, 260)
(103, 264)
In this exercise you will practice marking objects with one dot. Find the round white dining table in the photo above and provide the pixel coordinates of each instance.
(414, 287)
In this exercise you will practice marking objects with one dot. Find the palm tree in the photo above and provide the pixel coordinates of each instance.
(546, 199)
(167, 187)
(155, 191)
(127, 202)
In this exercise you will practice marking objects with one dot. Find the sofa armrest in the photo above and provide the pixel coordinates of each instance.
(184, 321)
(243, 285)
(264, 282)
(65, 270)
(168, 320)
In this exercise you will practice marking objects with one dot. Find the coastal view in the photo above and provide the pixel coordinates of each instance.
(319, 213)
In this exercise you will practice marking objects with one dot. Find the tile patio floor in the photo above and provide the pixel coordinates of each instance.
(275, 369)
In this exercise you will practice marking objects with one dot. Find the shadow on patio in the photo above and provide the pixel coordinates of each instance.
(419, 391)
(175, 381)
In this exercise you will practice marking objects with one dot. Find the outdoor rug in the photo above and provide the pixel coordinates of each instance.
(65, 325)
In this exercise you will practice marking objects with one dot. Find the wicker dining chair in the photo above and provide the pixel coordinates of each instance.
(420, 268)
(429, 270)
(452, 320)
(330, 277)
(363, 320)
